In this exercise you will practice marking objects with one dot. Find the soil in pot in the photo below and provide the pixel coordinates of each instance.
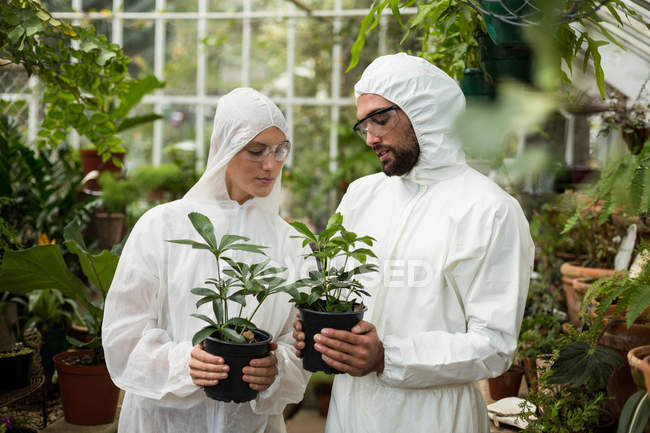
(15, 371)
(237, 356)
(89, 396)
(313, 322)
(506, 385)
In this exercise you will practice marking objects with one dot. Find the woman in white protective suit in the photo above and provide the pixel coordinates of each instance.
(147, 330)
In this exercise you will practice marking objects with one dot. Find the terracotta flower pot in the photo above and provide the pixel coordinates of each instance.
(571, 272)
(90, 161)
(89, 396)
(639, 360)
(619, 337)
(506, 385)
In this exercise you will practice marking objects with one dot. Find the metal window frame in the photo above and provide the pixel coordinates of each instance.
(200, 99)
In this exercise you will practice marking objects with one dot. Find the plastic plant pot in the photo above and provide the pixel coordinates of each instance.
(501, 32)
(15, 371)
(237, 356)
(312, 323)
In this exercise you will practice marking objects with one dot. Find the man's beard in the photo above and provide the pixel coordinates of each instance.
(404, 157)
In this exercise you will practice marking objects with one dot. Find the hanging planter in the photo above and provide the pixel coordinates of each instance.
(476, 86)
(500, 31)
(506, 61)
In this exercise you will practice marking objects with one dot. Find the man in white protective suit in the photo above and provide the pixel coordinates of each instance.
(455, 255)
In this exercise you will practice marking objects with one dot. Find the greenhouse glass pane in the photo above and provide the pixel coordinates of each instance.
(268, 61)
(103, 27)
(138, 44)
(139, 5)
(307, 183)
(180, 58)
(313, 67)
(223, 47)
(178, 130)
(225, 5)
(96, 5)
(182, 5)
(57, 5)
(268, 5)
(13, 79)
(138, 141)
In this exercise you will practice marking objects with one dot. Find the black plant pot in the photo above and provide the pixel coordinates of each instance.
(312, 323)
(15, 371)
(237, 356)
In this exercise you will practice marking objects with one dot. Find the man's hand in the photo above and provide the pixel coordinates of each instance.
(206, 369)
(298, 336)
(357, 353)
(261, 372)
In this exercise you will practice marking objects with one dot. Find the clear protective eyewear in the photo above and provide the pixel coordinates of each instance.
(258, 152)
(378, 123)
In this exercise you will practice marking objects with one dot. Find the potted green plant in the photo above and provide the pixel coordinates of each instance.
(232, 336)
(333, 300)
(52, 314)
(15, 357)
(89, 396)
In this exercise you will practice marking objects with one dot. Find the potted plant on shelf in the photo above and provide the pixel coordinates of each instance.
(89, 396)
(233, 337)
(15, 358)
(334, 294)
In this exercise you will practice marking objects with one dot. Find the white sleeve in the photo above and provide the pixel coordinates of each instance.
(141, 356)
(491, 282)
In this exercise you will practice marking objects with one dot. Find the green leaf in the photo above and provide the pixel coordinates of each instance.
(304, 230)
(204, 227)
(41, 267)
(228, 334)
(134, 121)
(238, 297)
(369, 22)
(335, 220)
(241, 322)
(635, 414)
(205, 318)
(195, 245)
(201, 291)
(227, 240)
(136, 90)
(15, 34)
(581, 362)
(217, 308)
(203, 334)
(248, 247)
(98, 268)
(639, 301)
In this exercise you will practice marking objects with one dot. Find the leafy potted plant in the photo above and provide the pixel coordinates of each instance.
(334, 294)
(88, 394)
(52, 314)
(232, 336)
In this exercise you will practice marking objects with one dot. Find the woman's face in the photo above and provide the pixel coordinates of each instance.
(248, 174)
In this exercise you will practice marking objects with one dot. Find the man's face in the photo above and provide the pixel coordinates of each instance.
(397, 149)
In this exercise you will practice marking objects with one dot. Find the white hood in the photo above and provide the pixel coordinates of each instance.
(432, 101)
(241, 115)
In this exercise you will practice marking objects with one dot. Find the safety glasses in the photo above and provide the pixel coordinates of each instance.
(258, 152)
(378, 123)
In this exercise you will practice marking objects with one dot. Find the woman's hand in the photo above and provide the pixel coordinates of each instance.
(206, 369)
(298, 336)
(261, 372)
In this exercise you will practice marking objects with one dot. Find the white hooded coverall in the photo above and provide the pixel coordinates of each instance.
(455, 258)
(147, 330)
